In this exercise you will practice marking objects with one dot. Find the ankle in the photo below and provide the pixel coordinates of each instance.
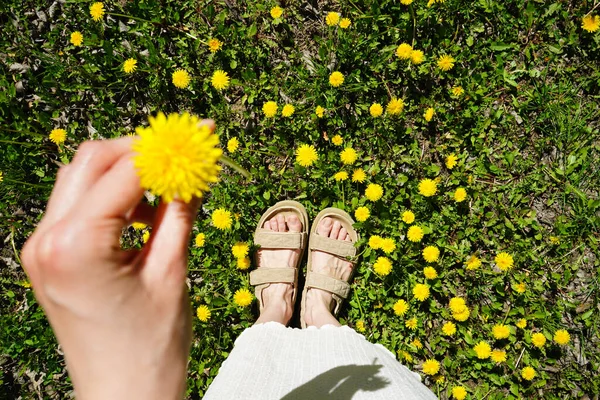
(318, 314)
(278, 311)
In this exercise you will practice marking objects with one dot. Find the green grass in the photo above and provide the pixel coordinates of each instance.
(526, 132)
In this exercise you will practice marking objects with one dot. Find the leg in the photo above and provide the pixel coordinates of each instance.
(319, 303)
(277, 297)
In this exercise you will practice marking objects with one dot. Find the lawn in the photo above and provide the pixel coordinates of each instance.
(464, 137)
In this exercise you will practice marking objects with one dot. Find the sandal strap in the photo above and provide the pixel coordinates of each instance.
(264, 275)
(280, 240)
(328, 283)
(342, 248)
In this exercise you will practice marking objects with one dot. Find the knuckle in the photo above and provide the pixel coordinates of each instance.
(88, 150)
(55, 247)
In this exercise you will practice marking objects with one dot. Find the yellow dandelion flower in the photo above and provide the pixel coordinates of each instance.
(439, 379)
(214, 45)
(590, 23)
(457, 304)
(332, 18)
(457, 91)
(406, 356)
(360, 326)
(180, 165)
(232, 145)
(200, 239)
(415, 233)
(373, 192)
(460, 195)
(203, 313)
(388, 245)
(538, 340)
(403, 51)
(430, 273)
(306, 155)
(498, 356)
(288, 110)
(431, 367)
(395, 106)
(473, 263)
(348, 156)
(130, 65)
(220, 80)
(243, 297)
(504, 261)
(181, 78)
(375, 242)
(445, 62)
(562, 337)
(337, 140)
(76, 38)
(341, 176)
(459, 392)
(451, 161)
(482, 350)
(243, 263)
(431, 254)
(359, 175)
(462, 315)
(320, 111)
(528, 373)
(411, 323)
(221, 219)
(336, 78)
(58, 136)
(97, 11)
(276, 12)
(522, 323)
(408, 217)
(520, 287)
(449, 328)
(345, 23)
(382, 266)
(269, 109)
(400, 307)
(421, 292)
(417, 343)
(376, 110)
(1, 176)
(427, 187)
(417, 57)
(406, 2)
(361, 214)
(146, 236)
(500, 331)
(429, 113)
(240, 249)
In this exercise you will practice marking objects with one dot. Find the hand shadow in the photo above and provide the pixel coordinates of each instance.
(340, 383)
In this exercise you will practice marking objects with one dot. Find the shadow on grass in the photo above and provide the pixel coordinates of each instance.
(340, 383)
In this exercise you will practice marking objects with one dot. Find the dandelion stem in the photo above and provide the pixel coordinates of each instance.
(25, 183)
(131, 17)
(232, 164)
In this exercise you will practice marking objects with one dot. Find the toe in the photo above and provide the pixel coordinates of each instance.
(343, 233)
(335, 230)
(267, 224)
(348, 238)
(281, 223)
(294, 224)
(274, 226)
(324, 227)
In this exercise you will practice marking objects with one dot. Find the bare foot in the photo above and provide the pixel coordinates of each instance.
(277, 297)
(319, 303)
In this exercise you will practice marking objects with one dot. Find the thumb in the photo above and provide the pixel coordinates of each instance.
(166, 251)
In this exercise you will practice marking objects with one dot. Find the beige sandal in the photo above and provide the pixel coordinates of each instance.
(262, 277)
(339, 289)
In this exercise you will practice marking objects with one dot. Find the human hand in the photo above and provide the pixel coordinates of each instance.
(122, 317)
